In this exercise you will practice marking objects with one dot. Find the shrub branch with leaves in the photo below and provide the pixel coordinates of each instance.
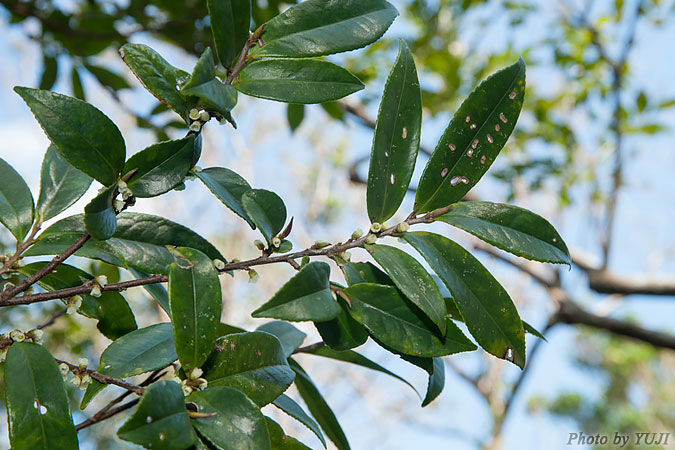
(223, 374)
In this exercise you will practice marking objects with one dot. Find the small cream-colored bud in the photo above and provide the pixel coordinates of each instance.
(219, 264)
(95, 291)
(63, 367)
(102, 280)
(77, 301)
(17, 335)
(402, 227)
(345, 255)
(201, 383)
(194, 114)
(75, 381)
(196, 169)
(82, 363)
(37, 335)
(253, 276)
(71, 309)
(8, 286)
(86, 379)
(357, 234)
(204, 116)
(259, 244)
(196, 373)
(118, 205)
(187, 390)
(3, 355)
(196, 126)
(20, 263)
(276, 242)
(371, 239)
(321, 244)
(376, 227)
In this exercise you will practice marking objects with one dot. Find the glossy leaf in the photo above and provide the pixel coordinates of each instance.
(316, 404)
(99, 215)
(16, 202)
(306, 296)
(36, 402)
(160, 167)
(342, 332)
(279, 440)
(316, 27)
(137, 352)
(253, 363)
(392, 320)
(266, 210)
(160, 419)
(296, 80)
(195, 302)
(290, 407)
(289, 336)
(515, 230)
(156, 291)
(228, 187)
(365, 272)
(85, 137)
(237, 422)
(211, 92)
(157, 76)
(230, 22)
(474, 138)
(490, 315)
(112, 311)
(295, 114)
(61, 184)
(140, 242)
(436, 381)
(413, 280)
(397, 139)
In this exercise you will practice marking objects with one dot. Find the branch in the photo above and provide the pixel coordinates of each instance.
(252, 40)
(105, 379)
(108, 414)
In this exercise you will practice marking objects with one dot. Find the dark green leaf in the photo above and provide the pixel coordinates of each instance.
(317, 27)
(161, 166)
(366, 272)
(85, 137)
(76, 83)
(196, 303)
(284, 247)
(279, 440)
(515, 230)
(290, 407)
(474, 138)
(266, 210)
(237, 423)
(436, 381)
(61, 184)
(306, 296)
(230, 22)
(318, 407)
(99, 215)
(16, 202)
(229, 187)
(289, 336)
(157, 76)
(49, 72)
(490, 315)
(37, 406)
(641, 101)
(413, 280)
(533, 331)
(139, 242)
(335, 110)
(156, 291)
(392, 320)
(224, 329)
(296, 80)
(294, 114)
(213, 93)
(343, 332)
(107, 78)
(253, 363)
(137, 352)
(397, 138)
(160, 419)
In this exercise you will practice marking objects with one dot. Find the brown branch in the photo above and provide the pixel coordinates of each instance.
(52, 319)
(309, 348)
(105, 379)
(252, 40)
(108, 414)
(9, 263)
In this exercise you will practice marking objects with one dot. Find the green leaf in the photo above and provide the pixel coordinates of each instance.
(76, 83)
(296, 80)
(294, 114)
(490, 315)
(413, 280)
(397, 138)
(37, 406)
(515, 230)
(16, 202)
(161, 166)
(392, 320)
(213, 93)
(289, 336)
(436, 381)
(253, 363)
(306, 296)
(157, 76)
(317, 27)
(156, 291)
(107, 78)
(160, 419)
(85, 137)
(61, 184)
(230, 22)
(356, 358)
(195, 302)
(140, 242)
(228, 187)
(99, 215)
(474, 138)
(343, 332)
(112, 311)
(137, 352)
(290, 407)
(533, 331)
(237, 422)
(366, 272)
(279, 440)
(318, 407)
(49, 72)
(266, 210)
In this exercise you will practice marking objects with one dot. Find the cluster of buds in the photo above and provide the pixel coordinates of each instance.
(3, 261)
(127, 196)
(73, 304)
(198, 118)
(7, 339)
(97, 284)
(357, 234)
(80, 377)
(220, 265)
(276, 242)
(193, 382)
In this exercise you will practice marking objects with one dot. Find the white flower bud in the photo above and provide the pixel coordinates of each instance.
(37, 335)
(63, 367)
(195, 126)
(402, 227)
(194, 114)
(77, 301)
(371, 239)
(276, 241)
(86, 379)
(357, 234)
(71, 309)
(321, 244)
(376, 227)
(17, 335)
(201, 383)
(204, 116)
(102, 280)
(196, 373)
(196, 169)
(95, 291)
(118, 205)
(82, 363)
(75, 381)
(20, 263)
(187, 390)
(219, 264)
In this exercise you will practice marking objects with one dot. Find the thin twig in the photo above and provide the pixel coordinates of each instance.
(108, 414)
(52, 319)
(105, 379)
